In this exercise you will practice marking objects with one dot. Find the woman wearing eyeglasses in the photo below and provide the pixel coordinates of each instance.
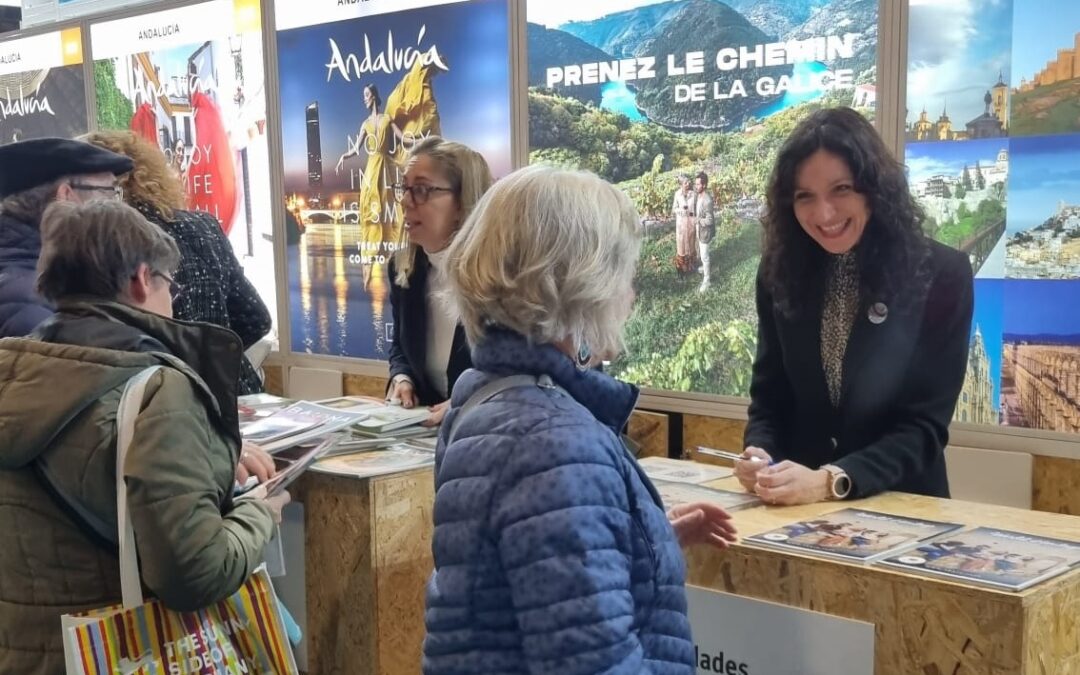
(210, 285)
(443, 181)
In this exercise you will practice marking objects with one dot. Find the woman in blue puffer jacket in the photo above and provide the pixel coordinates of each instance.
(553, 552)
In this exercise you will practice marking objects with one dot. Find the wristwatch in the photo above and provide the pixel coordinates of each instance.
(839, 483)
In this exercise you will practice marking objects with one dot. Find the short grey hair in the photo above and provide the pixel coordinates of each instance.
(551, 254)
(29, 205)
(94, 249)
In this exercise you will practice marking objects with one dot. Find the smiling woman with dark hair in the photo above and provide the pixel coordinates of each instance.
(863, 326)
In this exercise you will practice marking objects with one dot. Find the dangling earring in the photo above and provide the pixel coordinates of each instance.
(584, 356)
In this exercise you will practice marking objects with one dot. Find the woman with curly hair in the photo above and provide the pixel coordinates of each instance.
(211, 286)
(864, 324)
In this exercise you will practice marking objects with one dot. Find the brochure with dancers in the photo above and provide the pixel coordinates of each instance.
(676, 494)
(852, 534)
(987, 556)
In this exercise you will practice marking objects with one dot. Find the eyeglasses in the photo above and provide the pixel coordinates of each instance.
(116, 190)
(175, 289)
(419, 193)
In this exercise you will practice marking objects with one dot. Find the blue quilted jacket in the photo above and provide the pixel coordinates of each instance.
(553, 553)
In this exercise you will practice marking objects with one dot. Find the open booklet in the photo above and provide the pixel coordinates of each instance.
(299, 423)
(852, 534)
(676, 494)
(987, 556)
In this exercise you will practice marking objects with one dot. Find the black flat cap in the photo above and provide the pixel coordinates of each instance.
(28, 164)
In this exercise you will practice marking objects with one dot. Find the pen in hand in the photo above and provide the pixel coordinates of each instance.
(724, 454)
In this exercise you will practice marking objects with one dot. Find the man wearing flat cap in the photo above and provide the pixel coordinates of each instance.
(34, 174)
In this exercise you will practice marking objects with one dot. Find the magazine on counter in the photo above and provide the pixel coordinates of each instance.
(852, 534)
(387, 418)
(254, 407)
(679, 471)
(987, 556)
(398, 457)
(353, 403)
(676, 494)
(301, 422)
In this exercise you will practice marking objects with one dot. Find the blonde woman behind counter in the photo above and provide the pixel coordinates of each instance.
(443, 182)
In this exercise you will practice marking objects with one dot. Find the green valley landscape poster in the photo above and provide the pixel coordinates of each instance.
(652, 95)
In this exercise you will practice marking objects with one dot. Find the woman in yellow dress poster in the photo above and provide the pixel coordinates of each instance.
(380, 138)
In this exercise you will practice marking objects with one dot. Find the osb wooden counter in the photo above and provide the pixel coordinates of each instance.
(368, 559)
(922, 625)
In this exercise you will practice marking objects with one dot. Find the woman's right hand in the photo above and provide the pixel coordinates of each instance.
(746, 470)
(404, 392)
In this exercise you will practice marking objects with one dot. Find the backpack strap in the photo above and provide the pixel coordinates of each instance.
(492, 389)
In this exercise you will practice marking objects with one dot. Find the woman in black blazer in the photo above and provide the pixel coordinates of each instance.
(864, 326)
(443, 181)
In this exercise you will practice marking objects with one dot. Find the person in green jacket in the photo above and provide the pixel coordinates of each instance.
(109, 274)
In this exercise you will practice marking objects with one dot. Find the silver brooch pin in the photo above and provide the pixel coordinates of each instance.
(877, 313)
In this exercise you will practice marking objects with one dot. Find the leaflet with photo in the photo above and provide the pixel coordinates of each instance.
(297, 424)
(987, 556)
(399, 457)
(676, 494)
(679, 471)
(852, 534)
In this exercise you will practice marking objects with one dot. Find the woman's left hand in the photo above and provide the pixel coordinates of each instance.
(702, 523)
(788, 483)
(254, 461)
(438, 412)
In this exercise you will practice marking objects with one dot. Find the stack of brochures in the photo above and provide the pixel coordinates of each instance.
(299, 423)
(991, 557)
(852, 534)
(985, 556)
(392, 459)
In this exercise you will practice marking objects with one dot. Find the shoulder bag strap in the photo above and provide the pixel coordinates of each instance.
(130, 404)
(492, 389)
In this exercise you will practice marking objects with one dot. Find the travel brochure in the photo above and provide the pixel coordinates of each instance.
(300, 422)
(852, 534)
(677, 494)
(397, 457)
(679, 471)
(987, 556)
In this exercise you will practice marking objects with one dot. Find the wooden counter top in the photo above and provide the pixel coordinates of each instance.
(922, 624)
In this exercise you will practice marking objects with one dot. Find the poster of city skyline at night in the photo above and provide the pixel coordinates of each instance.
(360, 85)
(191, 80)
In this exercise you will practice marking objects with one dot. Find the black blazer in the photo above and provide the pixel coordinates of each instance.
(901, 379)
(408, 349)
